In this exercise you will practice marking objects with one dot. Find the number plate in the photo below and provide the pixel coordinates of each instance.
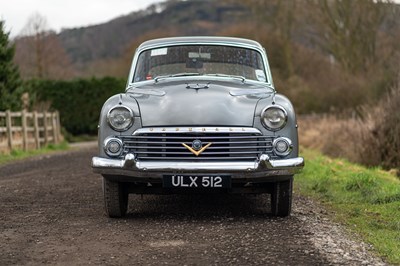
(193, 181)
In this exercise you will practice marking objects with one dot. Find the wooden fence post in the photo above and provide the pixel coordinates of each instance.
(9, 130)
(36, 129)
(24, 130)
(46, 136)
(54, 125)
(58, 125)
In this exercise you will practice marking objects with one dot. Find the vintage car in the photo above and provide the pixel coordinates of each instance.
(199, 115)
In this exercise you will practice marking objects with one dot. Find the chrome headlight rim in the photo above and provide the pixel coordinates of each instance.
(107, 141)
(263, 117)
(289, 144)
(113, 126)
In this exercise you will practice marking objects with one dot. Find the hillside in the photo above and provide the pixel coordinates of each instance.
(111, 39)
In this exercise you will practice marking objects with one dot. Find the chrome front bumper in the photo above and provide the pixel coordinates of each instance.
(261, 168)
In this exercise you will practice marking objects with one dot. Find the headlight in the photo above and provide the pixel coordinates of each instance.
(120, 118)
(274, 117)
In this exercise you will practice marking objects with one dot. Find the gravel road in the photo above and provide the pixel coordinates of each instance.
(51, 212)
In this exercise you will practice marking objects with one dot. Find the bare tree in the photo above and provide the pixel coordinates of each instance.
(349, 30)
(39, 52)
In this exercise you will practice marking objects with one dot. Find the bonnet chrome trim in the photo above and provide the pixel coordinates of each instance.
(148, 130)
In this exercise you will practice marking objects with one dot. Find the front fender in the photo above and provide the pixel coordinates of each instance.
(290, 129)
(104, 129)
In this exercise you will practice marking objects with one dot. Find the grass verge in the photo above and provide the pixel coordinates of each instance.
(19, 154)
(367, 200)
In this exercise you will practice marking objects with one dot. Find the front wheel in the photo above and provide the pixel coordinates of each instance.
(115, 198)
(281, 198)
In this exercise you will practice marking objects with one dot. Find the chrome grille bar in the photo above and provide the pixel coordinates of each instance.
(198, 137)
(241, 158)
(178, 142)
(209, 148)
(189, 153)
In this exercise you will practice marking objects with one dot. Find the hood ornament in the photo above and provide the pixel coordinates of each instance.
(197, 86)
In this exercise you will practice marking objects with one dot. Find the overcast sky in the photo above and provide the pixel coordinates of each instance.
(66, 13)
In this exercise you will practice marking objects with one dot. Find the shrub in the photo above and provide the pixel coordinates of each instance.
(372, 139)
(384, 138)
(78, 101)
(10, 81)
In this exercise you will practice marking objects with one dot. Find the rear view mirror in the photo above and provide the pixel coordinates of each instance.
(194, 63)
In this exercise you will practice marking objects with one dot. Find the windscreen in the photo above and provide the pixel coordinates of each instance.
(200, 60)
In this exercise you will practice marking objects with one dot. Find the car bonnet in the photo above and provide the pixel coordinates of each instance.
(174, 102)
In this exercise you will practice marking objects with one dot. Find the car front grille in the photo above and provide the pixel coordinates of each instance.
(240, 144)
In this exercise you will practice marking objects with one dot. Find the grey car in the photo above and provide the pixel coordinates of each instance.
(199, 115)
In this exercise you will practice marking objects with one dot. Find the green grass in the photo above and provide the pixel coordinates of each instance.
(19, 154)
(367, 200)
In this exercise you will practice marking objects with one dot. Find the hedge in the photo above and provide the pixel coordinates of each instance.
(78, 101)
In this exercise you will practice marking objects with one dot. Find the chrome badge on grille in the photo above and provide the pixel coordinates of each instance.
(197, 144)
(197, 147)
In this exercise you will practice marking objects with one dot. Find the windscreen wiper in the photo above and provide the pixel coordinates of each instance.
(156, 79)
(243, 79)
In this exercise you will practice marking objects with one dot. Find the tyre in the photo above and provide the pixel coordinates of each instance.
(281, 198)
(115, 198)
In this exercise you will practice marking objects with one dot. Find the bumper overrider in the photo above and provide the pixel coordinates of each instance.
(261, 168)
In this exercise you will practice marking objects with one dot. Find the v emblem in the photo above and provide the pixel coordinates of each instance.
(197, 153)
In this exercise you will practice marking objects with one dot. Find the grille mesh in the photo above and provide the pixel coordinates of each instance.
(224, 146)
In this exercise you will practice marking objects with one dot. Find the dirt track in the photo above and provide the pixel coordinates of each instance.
(51, 212)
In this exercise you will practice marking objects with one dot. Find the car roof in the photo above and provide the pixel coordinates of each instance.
(199, 40)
